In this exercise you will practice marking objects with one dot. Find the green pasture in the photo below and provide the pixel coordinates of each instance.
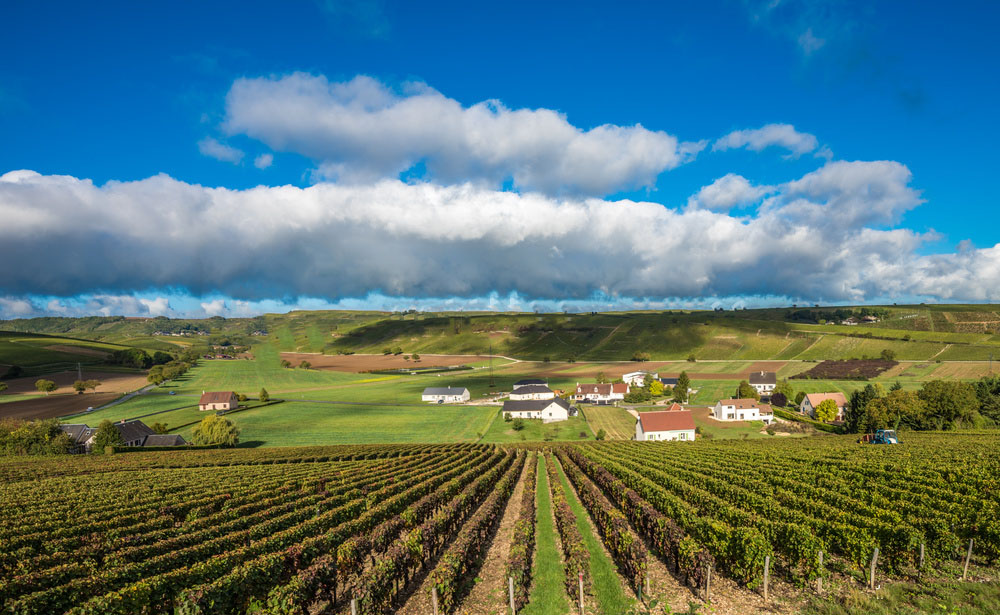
(307, 424)
(500, 431)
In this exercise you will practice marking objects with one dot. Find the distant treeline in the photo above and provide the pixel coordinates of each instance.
(816, 316)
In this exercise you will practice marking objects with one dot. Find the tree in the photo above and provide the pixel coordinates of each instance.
(3, 387)
(656, 388)
(45, 386)
(79, 386)
(601, 378)
(387, 350)
(640, 356)
(160, 428)
(799, 397)
(241, 397)
(397, 350)
(601, 434)
(896, 386)
(92, 384)
(854, 414)
(779, 399)
(745, 391)
(19, 437)
(264, 395)
(517, 425)
(950, 402)
(691, 358)
(826, 411)
(506, 417)
(305, 365)
(784, 388)
(286, 363)
(681, 388)
(888, 355)
(415, 357)
(988, 392)
(107, 435)
(637, 396)
(216, 430)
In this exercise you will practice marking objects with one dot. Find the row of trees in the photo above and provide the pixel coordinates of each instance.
(652, 389)
(137, 358)
(939, 404)
(172, 369)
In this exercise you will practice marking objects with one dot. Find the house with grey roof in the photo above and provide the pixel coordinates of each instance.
(548, 410)
(532, 391)
(445, 395)
(133, 433)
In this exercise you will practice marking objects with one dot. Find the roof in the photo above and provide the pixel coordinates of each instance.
(742, 404)
(133, 430)
(763, 378)
(78, 432)
(533, 405)
(445, 391)
(167, 439)
(600, 389)
(528, 389)
(674, 407)
(619, 387)
(666, 421)
(529, 381)
(640, 372)
(816, 399)
(216, 397)
(765, 409)
(668, 381)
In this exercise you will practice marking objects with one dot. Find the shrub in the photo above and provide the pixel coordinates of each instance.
(518, 424)
(215, 429)
(601, 434)
(691, 358)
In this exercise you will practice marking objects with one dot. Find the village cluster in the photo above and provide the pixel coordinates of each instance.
(532, 398)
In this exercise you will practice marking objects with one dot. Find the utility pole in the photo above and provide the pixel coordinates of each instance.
(493, 384)
(79, 370)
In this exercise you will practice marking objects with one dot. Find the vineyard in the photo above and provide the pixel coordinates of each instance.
(384, 529)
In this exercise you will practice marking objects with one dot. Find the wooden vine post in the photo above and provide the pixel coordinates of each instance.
(767, 574)
(968, 556)
(921, 565)
(581, 593)
(708, 584)
(434, 599)
(510, 592)
(871, 572)
(354, 606)
(819, 579)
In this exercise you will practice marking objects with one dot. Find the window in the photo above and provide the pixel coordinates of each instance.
(683, 435)
(730, 416)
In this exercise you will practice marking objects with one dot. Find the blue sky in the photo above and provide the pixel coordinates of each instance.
(241, 95)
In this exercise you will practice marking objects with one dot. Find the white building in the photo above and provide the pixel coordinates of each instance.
(665, 425)
(549, 410)
(601, 393)
(811, 400)
(527, 382)
(764, 382)
(445, 395)
(532, 391)
(742, 410)
(638, 379)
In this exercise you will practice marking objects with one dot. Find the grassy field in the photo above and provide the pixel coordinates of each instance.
(304, 423)
(501, 431)
(617, 423)
(547, 595)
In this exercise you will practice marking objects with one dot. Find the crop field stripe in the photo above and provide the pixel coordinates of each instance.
(547, 596)
(606, 582)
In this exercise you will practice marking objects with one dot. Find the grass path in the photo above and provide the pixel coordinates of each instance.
(547, 594)
(607, 585)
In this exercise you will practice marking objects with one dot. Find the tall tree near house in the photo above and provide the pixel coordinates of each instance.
(107, 435)
(952, 402)
(216, 429)
(45, 386)
(784, 388)
(826, 411)
(602, 378)
(681, 388)
(745, 391)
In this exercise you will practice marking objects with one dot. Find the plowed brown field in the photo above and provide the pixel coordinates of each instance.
(111, 382)
(50, 406)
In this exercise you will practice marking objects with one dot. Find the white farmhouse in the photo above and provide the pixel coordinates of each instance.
(602, 394)
(665, 425)
(445, 395)
(638, 379)
(532, 391)
(811, 400)
(764, 382)
(549, 410)
(742, 410)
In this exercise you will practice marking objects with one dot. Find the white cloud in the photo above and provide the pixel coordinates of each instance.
(216, 307)
(730, 190)
(220, 151)
(361, 131)
(812, 237)
(15, 307)
(263, 161)
(781, 135)
(809, 42)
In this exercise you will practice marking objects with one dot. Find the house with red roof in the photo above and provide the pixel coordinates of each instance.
(665, 425)
(811, 400)
(600, 393)
(218, 400)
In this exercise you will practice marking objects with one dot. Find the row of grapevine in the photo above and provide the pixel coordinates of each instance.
(625, 547)
(576, 558)
(459, 562)
(522, 546)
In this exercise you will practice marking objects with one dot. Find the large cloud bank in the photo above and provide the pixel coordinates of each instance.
(361, 130)
(823, 236)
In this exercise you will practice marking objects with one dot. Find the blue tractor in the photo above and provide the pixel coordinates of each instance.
(882, 436)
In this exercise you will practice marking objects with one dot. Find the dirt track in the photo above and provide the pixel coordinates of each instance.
(46, 407)
(367, 362)
(111, 382)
